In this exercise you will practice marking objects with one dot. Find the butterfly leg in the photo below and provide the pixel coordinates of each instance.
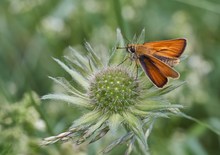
(123, 61)
(136, 65)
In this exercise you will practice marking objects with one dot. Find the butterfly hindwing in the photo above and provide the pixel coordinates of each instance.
(164, 68)
(152, 71)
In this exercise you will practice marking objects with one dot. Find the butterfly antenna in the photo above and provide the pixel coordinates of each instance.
(120, 47)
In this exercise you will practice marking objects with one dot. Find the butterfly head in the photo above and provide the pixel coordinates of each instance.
(131, 48)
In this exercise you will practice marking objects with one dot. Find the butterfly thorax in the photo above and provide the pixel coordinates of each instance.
(136, 50)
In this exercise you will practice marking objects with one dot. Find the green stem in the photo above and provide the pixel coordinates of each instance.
(48, 127)
(203, 4)
(216, 131)
(43, 117)
(120, 20)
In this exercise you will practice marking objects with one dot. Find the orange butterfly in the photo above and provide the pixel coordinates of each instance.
(157, 58)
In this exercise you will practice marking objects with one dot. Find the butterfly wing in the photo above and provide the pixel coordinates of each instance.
(167, 51)
(155, 75)
(165, 69)
(157, 70)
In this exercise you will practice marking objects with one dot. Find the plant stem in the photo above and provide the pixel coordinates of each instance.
(123, 26)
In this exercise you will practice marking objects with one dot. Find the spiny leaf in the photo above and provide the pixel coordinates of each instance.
(97, 62)
(75, 75)
(68, 87)
(79, 58)
(135, 125)
(141, 37)
(165, 90)
(114, 122)
(158, 106)
(92, 129)
(130, 146)
(88, 118)
(117, 142)
(101, 133)
(82, 70)
(70, 99)
(117, 56)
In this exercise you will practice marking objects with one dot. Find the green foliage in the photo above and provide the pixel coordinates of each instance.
(32, 32)
(115, 99)
(20, 123)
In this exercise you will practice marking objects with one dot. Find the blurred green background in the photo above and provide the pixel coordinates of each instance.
(32, 32)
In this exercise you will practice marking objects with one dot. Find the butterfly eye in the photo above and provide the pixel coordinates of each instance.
(132, 49)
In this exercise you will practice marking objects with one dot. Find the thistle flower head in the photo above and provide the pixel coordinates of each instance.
(113, 90)
(114, 96)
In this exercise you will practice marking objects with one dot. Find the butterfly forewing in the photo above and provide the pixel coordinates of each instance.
(167, 48)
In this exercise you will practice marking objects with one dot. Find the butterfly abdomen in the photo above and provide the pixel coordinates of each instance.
(170, 61)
